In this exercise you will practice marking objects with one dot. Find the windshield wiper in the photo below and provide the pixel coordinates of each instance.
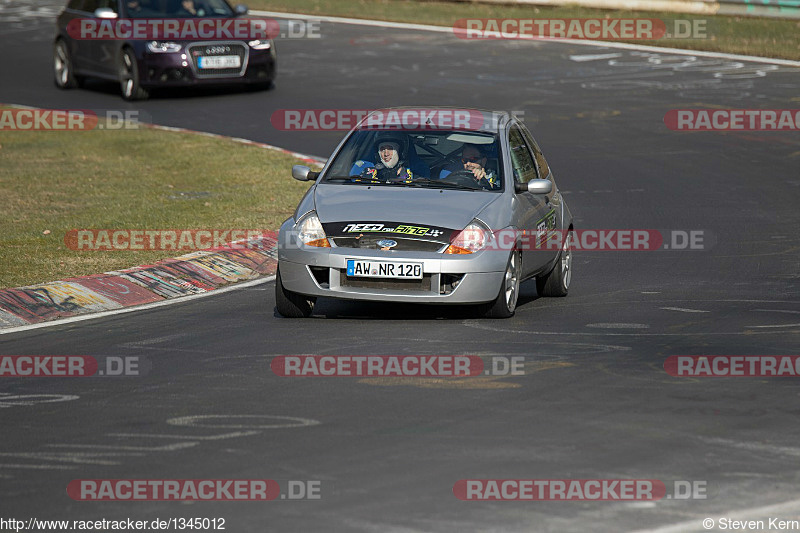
(366, 181)
(445, 184)
(360, 179)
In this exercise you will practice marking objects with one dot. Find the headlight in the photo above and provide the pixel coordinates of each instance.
(310, 232)
(259, 44)
(161, 47)
(474, 238)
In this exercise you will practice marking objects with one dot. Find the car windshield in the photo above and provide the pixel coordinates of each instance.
(139, 9)
(441, 159)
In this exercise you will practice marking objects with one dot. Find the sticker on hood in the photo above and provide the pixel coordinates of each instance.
(411, 230)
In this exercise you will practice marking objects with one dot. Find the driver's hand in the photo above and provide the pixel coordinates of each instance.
(479, 173)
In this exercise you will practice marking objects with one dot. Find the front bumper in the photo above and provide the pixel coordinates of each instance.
(177, 69)
(447, 279)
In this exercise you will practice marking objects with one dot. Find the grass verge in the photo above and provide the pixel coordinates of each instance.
(736, 35)
(54, 181)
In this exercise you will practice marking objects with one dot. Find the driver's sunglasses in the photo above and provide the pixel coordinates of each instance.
(473, 159)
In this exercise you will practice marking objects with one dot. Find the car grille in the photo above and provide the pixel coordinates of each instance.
(423, 284)
(403, 245)
(211, 49)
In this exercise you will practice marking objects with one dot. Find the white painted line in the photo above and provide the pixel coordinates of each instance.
(317, 159)
(153, 305)
(68, 457)
(605, 44)
(695, 525)
(33, 399)
(593, 57)
(167, 448)
(477, 324)
(617, 325)
(358, 22)
(776, 326)
(754, 447)
(683, 310)
(155, 340)
(194, 421)
(778, 311)
(233, 435)
(39, 467)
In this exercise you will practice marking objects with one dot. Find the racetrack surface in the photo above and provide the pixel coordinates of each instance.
(595, 401)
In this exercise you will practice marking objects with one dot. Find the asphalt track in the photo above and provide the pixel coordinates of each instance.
(595, 401)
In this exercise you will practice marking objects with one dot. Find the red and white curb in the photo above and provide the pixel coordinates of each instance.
(236, 265)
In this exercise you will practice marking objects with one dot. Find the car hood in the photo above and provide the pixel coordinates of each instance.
(433, 207)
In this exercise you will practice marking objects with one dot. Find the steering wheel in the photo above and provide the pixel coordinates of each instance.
(463, 177)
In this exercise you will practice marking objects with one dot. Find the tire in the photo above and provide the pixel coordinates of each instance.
(129, 77)
(290, 304)
(556, 283)
(64, 75)
(506, 302)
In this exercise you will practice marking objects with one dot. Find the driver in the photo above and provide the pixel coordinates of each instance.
(391, 166)
(189, 7)
(473, 159)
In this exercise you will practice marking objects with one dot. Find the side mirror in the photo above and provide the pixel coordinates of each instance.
(104, 13)
(534, 186)
(240, 9)
(303, 173)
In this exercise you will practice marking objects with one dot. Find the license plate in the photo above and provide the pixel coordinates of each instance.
(219, 62)
(383, 269)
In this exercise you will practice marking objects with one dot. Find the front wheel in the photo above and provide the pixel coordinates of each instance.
(62, 67)
(291, 304)
(556, 283)
(506, 302)
(129, 77)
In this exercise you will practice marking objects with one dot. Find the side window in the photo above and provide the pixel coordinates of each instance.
(541, 162)
(77, 5)
(91, 5)
(521, 160)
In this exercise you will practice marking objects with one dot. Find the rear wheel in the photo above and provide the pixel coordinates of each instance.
(556, 283)
(129, 77)
(290, 304)
(506, 302)
(62, 67)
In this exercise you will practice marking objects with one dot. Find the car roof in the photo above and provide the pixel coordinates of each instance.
(469, 119)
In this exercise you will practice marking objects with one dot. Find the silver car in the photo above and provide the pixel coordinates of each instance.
(425, 212)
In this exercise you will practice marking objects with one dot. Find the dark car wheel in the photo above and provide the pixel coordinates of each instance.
(506, 302)
(129, 77)
(556, 283)
(290, 304)
(62, 67)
